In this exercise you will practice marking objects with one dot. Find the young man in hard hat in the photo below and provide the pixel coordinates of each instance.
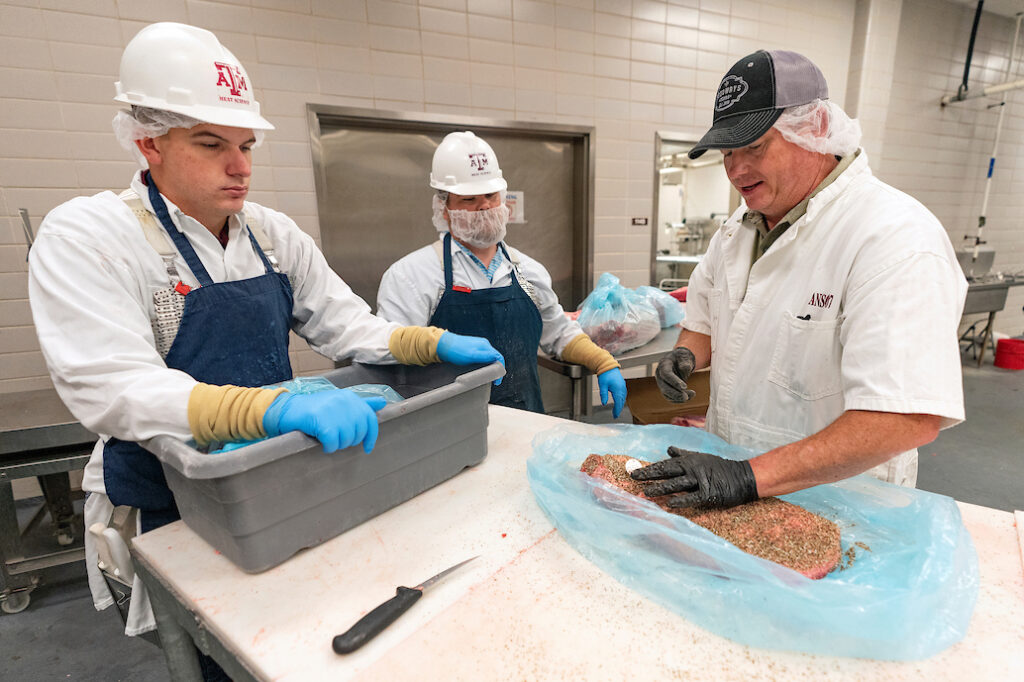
(471, 282)
(163, 310)
(827, 306)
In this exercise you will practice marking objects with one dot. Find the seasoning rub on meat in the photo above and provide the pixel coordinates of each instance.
(769, 528)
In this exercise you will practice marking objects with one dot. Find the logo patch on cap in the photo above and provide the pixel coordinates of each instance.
(733, 87)
(230, 77)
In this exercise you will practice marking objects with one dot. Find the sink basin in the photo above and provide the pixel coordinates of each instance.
(976, 268)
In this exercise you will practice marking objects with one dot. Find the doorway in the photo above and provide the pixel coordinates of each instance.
(692, 198)
(371, 173)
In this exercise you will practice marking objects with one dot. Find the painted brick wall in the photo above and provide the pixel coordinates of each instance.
(626, 68)
(940, 154)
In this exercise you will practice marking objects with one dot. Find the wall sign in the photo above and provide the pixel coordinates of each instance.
(516, 202)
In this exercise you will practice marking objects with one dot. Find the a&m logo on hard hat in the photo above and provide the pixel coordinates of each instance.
(729, 92)
(230, 76)
(478, 162)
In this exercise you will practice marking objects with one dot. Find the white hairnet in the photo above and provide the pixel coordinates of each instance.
(142, 122)
(438, 203)
(803, 125)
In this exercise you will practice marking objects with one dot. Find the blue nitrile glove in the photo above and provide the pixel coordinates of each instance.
(467, 350)
(338, 419)
(612, 381)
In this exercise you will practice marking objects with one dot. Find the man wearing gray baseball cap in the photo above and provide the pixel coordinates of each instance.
(826, 306)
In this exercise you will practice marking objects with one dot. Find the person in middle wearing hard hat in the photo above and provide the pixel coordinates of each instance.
(470, 282)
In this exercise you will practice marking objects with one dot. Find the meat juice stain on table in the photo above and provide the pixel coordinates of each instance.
(768, 528)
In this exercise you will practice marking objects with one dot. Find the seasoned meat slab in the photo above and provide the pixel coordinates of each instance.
(769, 528)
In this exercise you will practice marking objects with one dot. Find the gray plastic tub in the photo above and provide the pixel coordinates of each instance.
(260, 504)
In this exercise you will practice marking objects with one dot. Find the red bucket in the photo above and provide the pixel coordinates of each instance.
(1010, 354)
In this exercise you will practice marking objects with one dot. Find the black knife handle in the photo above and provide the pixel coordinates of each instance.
(370, 625)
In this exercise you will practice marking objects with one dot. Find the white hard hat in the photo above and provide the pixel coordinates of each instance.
(185, 69)
(466, 165)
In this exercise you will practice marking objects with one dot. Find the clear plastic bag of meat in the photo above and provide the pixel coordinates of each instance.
(905, 589)
(670, 311)
(617, 318)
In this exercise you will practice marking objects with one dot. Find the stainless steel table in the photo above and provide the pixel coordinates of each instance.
(38, 436)
(579, 376)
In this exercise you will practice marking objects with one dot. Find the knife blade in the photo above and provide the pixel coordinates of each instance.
(373, 623)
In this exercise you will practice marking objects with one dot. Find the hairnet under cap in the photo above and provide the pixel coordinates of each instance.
(754, 93)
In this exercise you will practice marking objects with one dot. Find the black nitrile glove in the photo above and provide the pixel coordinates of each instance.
(707, 480)
(673, 371)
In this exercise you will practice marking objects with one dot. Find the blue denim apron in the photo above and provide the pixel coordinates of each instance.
(230, 333)
(509, 319)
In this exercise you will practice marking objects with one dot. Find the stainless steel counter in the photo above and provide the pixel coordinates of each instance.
(37, 420)
(38, 437)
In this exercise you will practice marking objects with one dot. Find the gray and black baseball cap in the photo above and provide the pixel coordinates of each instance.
(754, 94)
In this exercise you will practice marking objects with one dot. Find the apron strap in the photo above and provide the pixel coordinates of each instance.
(447, 261)
(154, 234)
(524, 283)
(262, 244)
(180, 240)
(444, 254)
(158, 239)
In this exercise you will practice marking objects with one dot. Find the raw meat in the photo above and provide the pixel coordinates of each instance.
(769, 528)
(617, 337)
(695, 421)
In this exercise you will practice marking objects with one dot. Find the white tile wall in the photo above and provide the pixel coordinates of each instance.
(940, 155)
(626, 68)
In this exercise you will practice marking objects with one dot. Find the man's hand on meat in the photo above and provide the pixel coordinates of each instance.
(705, 480)
(673, 371)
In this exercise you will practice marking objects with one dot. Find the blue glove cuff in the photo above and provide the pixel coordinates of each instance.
(272, 417)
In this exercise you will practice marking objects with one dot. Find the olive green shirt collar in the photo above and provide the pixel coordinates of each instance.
(765, 236)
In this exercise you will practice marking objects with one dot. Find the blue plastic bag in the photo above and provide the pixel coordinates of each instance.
(617, 318)
(389, 394)
(907, 597)
(313, 385)
(670, 311)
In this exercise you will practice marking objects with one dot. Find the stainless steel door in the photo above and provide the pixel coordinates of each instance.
(372, 172)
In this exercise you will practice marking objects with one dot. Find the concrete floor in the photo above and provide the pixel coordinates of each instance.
(61, 637)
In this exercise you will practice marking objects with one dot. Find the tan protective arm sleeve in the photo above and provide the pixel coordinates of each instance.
(227, 413)
(582, 351)
(415, 345)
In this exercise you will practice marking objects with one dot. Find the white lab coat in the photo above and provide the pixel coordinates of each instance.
(876, 273)
(92, 275)
(412, 287)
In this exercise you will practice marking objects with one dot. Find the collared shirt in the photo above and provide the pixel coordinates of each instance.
(767, 236)
(488, 270)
